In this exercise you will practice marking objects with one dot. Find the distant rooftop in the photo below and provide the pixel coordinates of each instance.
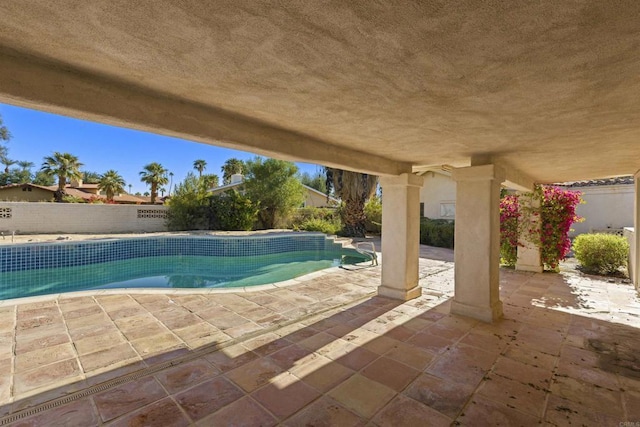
(620, 180)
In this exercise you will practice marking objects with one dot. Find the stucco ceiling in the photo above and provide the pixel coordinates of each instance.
(551, 88)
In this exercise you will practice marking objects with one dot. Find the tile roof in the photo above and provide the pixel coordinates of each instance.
(620, 180)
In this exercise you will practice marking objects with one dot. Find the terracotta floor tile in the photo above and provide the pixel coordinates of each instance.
(563, 412)
(144, 331)
(317, 341)
(107, 357)
(321, 373)
(588, 395)
(98, 342)
(513, 394)
(380, 345)
(39, 341)
(531, 357)
(242, 330)
(403, 411)
(362, 395)
(231, 357)
(288, 357)
(284, 401)
(484, 341)
(78, 413)
(526, 374)
(432, 343)
(540, 339)
(266, 344)
(391, 373)
(52, 375)
(254, 374)
(325, 412)
(463, 364)
(186, 375)
(208, 397)
(128, 397)
(410, 355)
(242, 412)
(587, 374)
(445, 396)
(79, 333)
(44, 356)
(85, 311)
(156, 343)
(482, 412)
(356, 358)
(164, 412)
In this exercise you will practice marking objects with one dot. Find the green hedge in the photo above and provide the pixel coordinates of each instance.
(437, 232)
(601, 253)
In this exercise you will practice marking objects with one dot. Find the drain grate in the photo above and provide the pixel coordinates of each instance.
(211, 348)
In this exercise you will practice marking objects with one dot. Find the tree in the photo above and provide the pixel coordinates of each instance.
(189, 205)
(65, 166)
(7, 162)
(317, 181)
(273, 186)
(5, 135)
(200, 165)
(354, 189)
(154, 175)
(231, 167)
(89, 177)
(43, 179)
(112, 183)
(25, 165)
(210, 180)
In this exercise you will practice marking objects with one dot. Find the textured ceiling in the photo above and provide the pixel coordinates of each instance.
(551, 88)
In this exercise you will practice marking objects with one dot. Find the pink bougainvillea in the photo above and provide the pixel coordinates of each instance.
(557, 213)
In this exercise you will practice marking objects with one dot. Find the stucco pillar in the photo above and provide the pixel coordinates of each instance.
(635, 250)
(528, 252)
(400, 236)
(477, 242)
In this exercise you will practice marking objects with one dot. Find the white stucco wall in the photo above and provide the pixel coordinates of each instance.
(607, 206)
(438, 195)
(33, 217)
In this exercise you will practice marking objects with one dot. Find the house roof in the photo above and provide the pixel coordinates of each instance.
(78, 192)
(226, 187)
(621, 180)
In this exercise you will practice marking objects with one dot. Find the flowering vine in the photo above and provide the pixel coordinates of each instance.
(557, 212)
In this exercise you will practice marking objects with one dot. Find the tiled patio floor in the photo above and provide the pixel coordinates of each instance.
(327, 352)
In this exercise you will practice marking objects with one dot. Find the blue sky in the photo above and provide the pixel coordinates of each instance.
(101, 147)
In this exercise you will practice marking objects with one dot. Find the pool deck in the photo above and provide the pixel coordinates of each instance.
(326, 351)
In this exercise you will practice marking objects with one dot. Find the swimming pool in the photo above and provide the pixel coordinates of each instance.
(165, 262)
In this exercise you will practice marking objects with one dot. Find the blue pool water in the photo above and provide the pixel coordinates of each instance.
(165, 262)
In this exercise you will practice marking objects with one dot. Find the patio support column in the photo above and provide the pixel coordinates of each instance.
(400, 236)
(477, 242)
(528, 252)
(634, 257)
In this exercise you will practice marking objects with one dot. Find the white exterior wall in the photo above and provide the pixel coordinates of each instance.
(607, 206)
(439, 196)
(32, 217)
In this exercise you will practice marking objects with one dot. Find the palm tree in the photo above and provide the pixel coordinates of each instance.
(112, 183)
(7, 162)
(210, 180)
(354, 189)
(25, 165)
(200, 165)
(231, 166)
(154, 174)
(170, 182)
(65, 166)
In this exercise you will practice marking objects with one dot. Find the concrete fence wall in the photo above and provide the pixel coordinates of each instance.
(32, 217)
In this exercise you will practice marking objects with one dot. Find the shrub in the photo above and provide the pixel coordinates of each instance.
(373, 212)
(189, 206)
(233, 211)
(509, 214)
(601, 253)
(437, 232)
(322, 225)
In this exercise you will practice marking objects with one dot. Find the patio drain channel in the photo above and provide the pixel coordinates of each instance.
(211, 348)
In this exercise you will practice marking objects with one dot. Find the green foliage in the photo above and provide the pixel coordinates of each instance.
(5, 135)
(154, 175)
(354, 189)
(231, 167)
(44, 179)
(322, 225)
(233, 211)
(211, 180)
(15, 176)
(317, 181)
(437, 232)
(373, 212)
(89, 177)
(600, 252)
(72, 199)
(273, 186)
(189, 206)
(325, 220)
(112, 183)
(200, 165)
(65, 166)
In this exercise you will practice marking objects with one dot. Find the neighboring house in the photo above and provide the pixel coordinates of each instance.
(608, 204)
(438, 194)
(41, 193)
(312, 197)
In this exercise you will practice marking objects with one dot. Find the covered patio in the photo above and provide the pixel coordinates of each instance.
(501, 94)
(327, 351)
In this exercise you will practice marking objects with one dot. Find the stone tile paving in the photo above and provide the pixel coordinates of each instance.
(565, 353)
